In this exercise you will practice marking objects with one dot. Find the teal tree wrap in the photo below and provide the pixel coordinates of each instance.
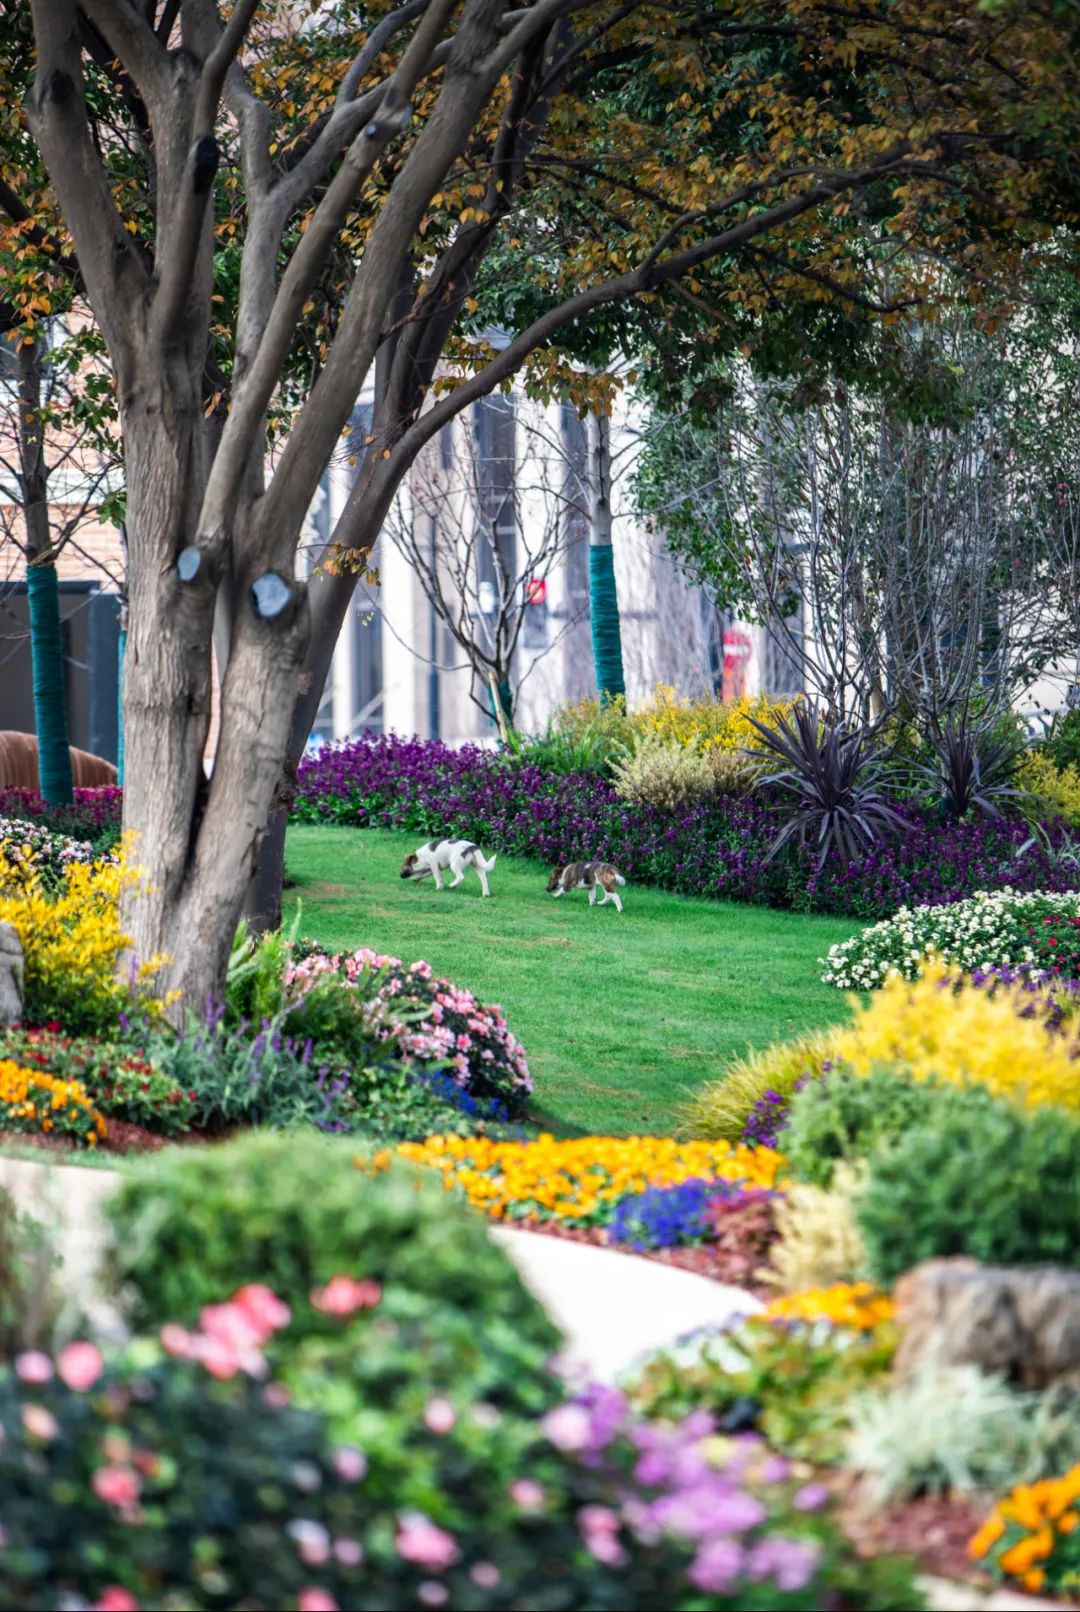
(604, 611)
(121, 646)
(50, 695)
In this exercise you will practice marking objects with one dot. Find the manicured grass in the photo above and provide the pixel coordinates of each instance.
(619, 1015)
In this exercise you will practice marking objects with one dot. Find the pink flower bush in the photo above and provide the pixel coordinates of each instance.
(470, 1043)
(231, 1337)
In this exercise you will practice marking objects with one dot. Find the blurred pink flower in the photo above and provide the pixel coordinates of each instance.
(432, 1594)
(527, 1493)
(219, 1358)
(439, 1416)
(33, 1367)
(312, 1599)
(39, 1422)
(485, 1575)
(349, 1552)
(116, 1599)
(342, 1295)
(567, 1427)
(419, 1541)
(350, 1464)
(175, 1340)
(80, 1365)
(311, 1540)
(231, 1325)
(116, 1485)
(263, 1306)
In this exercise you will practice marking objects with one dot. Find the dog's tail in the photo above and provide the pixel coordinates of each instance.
(489, 864)
(619, 879)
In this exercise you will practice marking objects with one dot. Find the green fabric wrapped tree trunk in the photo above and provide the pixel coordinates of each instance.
(50, 697)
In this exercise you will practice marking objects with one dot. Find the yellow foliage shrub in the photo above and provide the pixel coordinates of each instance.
(708, 722)
(73, 943)
(1055, 794)
(818, 1242)
(961, 1035)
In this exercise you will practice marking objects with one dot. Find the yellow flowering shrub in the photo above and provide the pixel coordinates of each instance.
(579, 1181)
(1032, 1535)
(961, 1035)
(708, 722)
(1055, 794)
(33, 1102)
(72, 940)
(858, 1306)
(705, 722)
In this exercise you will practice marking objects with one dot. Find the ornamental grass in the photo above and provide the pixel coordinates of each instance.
(579, 1182)
(34, 1103)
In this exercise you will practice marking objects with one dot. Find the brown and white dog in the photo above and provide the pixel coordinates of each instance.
(587, 876)
(440, 856)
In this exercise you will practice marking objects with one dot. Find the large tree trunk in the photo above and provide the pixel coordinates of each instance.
(197, 835)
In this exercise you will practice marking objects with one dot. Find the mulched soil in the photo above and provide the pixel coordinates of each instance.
(120, 1137)
(935, 1529)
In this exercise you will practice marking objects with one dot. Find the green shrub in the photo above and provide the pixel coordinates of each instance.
(845, 1118)
(1063, 740)
(978, 1177)
(718, 1110)
(294, 1211)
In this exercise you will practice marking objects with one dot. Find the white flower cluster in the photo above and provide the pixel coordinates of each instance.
(987, 930)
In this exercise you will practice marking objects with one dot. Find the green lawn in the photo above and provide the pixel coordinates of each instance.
(619, 1015)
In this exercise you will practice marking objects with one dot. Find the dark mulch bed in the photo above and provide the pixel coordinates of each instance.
(935, 1529)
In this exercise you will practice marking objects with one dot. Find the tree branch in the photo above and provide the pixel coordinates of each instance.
(109, 259)
(184, 238)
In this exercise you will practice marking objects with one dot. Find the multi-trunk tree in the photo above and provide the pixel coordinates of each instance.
(280, 216)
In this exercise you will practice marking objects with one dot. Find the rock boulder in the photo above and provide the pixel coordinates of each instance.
(1023, 1325)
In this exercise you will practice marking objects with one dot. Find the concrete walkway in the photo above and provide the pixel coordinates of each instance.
(611, 1307)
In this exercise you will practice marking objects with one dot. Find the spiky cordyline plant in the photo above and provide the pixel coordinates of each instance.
(836, 779)
(971, 770)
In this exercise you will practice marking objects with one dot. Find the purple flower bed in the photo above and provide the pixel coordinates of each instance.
(716, 850)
